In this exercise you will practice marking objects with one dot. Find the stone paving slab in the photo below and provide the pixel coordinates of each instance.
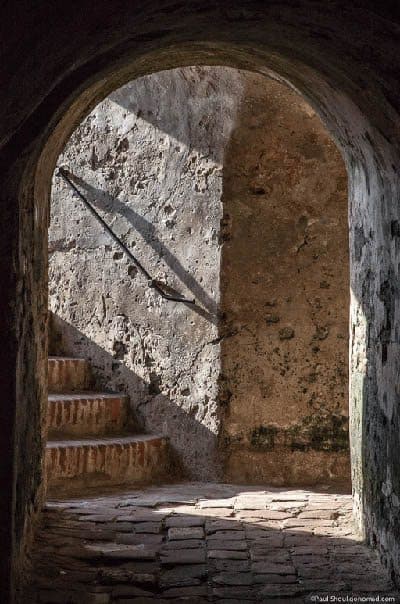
(201, 543)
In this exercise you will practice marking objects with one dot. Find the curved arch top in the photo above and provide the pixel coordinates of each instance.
(61, 58)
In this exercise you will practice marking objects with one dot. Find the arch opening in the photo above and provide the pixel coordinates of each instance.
(228, 189)
(339, 131)
(371, 155)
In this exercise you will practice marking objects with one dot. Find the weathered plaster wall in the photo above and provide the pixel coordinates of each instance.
(184, 164)
(150, 158)
(284, 289)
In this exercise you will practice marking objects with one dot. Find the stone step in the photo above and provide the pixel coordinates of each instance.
(67, 374)
(100, 462)
(86, 414)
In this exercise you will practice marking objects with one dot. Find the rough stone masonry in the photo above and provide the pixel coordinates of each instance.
(229, 190)
(341, 56)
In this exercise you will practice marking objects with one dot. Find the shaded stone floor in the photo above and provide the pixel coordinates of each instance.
(201, 543)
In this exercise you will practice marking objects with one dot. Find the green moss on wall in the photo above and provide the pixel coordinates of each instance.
(320, 433)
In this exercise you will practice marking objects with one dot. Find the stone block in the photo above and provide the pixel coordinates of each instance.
(178, 533)
(183, 556)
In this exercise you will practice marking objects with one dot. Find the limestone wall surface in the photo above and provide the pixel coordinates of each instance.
(285, 294)
(228, 189)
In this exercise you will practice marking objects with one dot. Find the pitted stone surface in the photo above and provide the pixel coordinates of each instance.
(198, 553)
(226, 186)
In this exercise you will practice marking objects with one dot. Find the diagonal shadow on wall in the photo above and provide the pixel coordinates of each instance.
(256, 243)
(205, 305)
(151, 411)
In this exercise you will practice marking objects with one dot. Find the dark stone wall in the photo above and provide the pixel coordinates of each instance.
(24, 388)
(60, 58)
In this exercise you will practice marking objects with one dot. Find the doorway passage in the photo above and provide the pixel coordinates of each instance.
(229, 189)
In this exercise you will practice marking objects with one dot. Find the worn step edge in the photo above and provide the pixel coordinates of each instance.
(68, 374)
(61, 358)
(73, 464)
(105, 440)
(82, 395)
(81, 414)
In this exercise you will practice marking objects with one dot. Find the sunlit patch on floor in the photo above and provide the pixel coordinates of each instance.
(201, 542)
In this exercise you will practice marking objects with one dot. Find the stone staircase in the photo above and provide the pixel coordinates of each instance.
(89, 441)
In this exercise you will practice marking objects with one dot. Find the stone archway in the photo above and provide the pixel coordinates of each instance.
(228, 188)
(330, 54)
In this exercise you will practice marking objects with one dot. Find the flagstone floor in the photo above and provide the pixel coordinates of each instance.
(202, 543)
